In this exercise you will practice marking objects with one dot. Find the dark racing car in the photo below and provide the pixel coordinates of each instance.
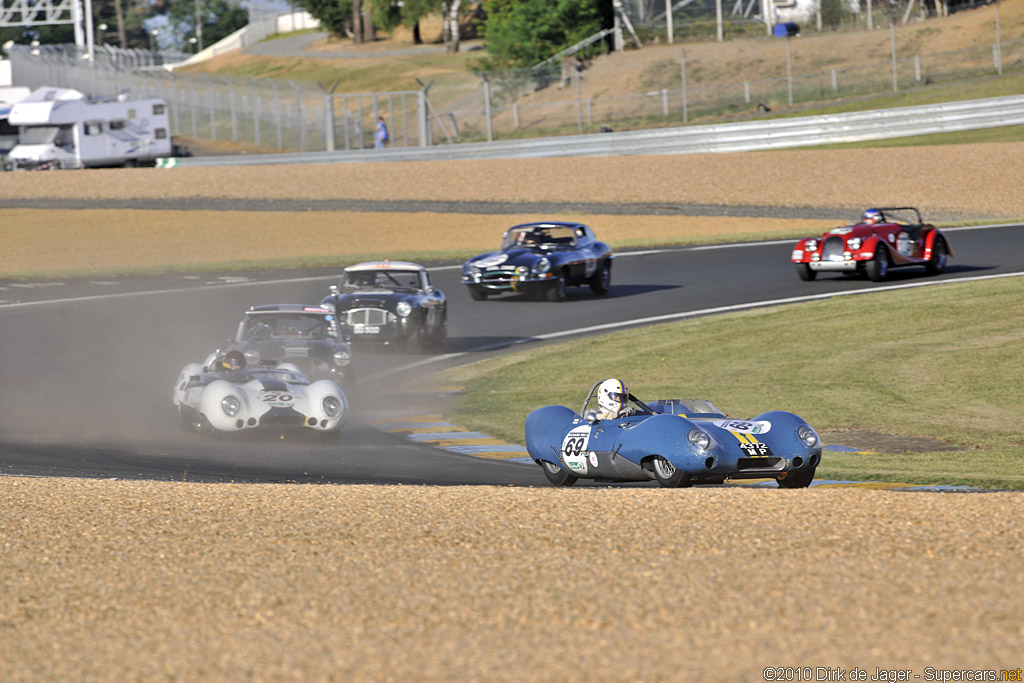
(390, 303)
(542, 259)
(306, 336)
(884, 238)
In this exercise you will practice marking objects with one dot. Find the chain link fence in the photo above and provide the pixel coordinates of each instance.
(266, 113)
(558, 97)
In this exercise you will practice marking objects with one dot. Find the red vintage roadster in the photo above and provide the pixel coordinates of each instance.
(884, 238)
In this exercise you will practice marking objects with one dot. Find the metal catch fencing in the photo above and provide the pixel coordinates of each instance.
(266, 113)
(558, 97)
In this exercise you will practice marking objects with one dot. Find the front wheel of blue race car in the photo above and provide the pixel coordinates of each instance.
(601, 281)
(796, 480)
(557, 289)
(668, 475)
(556, 475)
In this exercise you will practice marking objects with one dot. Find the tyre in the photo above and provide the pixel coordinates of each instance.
(557, 290)
(556, 475)
(330, 438)
(878, 267)
(668, 475)
(601, 281)
(186, 423)
(940, 254)
(438, 339)
(477, 293)
(797, 480)
(805, 272)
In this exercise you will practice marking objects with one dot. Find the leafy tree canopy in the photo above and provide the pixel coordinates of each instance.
(220, 18)
(522, 33)
(334, 15)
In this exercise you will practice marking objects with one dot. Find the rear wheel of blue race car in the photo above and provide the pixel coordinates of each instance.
(668, 475)
(556, 475)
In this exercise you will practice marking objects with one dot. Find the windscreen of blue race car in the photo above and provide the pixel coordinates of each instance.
(551, 237)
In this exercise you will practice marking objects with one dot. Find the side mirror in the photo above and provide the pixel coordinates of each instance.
(334, 290)
(591, 416)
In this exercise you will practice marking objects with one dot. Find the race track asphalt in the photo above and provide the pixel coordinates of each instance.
(88, 365)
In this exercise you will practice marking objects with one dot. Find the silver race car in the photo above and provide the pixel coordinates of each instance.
(224, 396)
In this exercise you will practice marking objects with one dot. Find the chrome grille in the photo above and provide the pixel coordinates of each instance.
(368, 316)
(497, 278)
(832, 250)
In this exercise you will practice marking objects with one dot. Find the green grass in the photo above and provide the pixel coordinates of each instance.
(939, 362)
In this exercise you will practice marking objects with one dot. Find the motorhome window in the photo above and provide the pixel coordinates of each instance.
(7, 129)
(116, 125)
(39, 135)
(158, 109)
(93, 128)
(160, 133)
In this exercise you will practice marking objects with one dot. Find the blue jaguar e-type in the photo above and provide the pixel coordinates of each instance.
(541, 258)
(676, 442)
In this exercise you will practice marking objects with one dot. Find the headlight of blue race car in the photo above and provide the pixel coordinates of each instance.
(807, 435)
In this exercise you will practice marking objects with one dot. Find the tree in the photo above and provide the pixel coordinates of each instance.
(220, 18)
(334, 15)
(450, 24)
(388, 14)
(522, 33)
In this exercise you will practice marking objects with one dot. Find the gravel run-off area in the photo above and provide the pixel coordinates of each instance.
(135, 580)
(140, 581)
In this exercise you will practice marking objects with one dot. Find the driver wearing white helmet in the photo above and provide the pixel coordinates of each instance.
(613, 400)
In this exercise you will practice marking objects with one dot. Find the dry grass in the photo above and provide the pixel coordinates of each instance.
(971, 180)
(85, 241)
(974, 182)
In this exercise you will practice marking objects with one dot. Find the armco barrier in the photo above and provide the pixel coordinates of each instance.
(731, 137)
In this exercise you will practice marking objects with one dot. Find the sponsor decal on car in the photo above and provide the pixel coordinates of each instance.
(840, 231)
(278, 399)
(315, 309)
(798, 255)
(574, 449)
(760, 427)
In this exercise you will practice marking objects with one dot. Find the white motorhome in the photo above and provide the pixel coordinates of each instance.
(9, 133)
(62, 128)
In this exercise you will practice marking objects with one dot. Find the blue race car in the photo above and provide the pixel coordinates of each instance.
(544, 259)
(676, 442)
